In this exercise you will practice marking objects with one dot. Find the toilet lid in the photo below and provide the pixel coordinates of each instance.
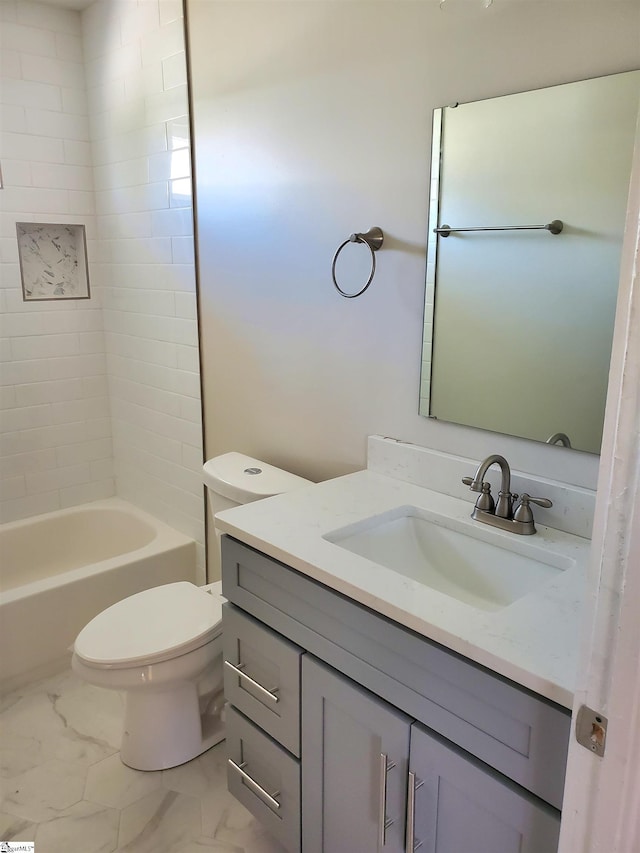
(151, 626)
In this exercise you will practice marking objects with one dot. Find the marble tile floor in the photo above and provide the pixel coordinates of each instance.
(65, 788)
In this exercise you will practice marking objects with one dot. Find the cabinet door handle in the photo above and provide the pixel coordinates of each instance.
(268, 694)
(410, 845)
(383, 822)
(270, 799)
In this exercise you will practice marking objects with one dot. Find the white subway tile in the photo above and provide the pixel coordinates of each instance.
(74, 101)
(182, 277)
(186, 305)
(84, 451)
(29, 506)
(129, 438)
(47, 481)
(32, 199)
(132, 199)
(22, 146)
(115, 226)
(17, 372)
(148, 302)
(158, 353)
(163, 106)
(74, 411)
(139, 143)
(82, 203)
(28, 463)
(57, 124)
(91, 342)
(8, 397)
(107, 96)
(15, 36)
(188, 358)
(174, 70)
(79, 365)
(8, 10)
(40, 16)
(69, 47)
(139, 20)
(163, 42)
(12, 488)
(178, 132)
(145, 81)
(176, 222)
(98, 428)
(56, 71)
(16, 173)
(95, 386)
(28, 417)
(190, 410)
(77, 153)
(102, 469)
(125, 173)
(61, 176)
(149, 250)
(10, 67)
(122, 61)
(170, 10)
(36, 393)
(76, 495)
(180, 193)
(192, 458)
(44, 346)
(182, 250)
(12, 118)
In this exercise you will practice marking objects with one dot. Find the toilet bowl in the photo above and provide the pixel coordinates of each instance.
(163, 647)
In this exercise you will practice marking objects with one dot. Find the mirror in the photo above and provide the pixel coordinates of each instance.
(519, 321)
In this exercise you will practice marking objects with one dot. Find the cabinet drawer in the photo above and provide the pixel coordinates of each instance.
(520, 734)
(265, 779)
(262, 676)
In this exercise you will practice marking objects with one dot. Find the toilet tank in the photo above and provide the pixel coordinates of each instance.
(233, 479)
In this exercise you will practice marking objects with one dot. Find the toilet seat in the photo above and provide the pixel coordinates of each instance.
(152, 626)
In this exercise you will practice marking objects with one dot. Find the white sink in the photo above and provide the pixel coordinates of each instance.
(480, 567)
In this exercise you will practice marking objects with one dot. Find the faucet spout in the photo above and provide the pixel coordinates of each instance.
(483, 467)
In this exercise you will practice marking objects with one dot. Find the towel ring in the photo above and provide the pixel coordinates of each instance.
(374, 239)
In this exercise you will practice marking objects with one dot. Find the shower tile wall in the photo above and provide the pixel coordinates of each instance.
(136, 81)
(55, 439)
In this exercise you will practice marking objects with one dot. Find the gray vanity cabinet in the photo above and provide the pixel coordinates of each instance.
(375, 780)
(352, 734)
(354, 772)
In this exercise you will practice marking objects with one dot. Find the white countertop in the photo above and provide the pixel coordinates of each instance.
(533, 641)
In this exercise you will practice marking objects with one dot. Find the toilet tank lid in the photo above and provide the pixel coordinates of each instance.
(243, 479)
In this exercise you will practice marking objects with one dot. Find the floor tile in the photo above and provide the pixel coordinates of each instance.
(111, 783)
(85, 827)
(160, 823)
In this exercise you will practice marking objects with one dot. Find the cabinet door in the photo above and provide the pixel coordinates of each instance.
(355, 751)
(459, 805)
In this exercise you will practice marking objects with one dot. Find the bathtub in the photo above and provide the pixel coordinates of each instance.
(57, 571)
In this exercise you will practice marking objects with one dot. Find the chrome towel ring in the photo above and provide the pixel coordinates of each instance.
(374, 238)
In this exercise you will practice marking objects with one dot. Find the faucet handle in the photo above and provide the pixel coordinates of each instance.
(523, 512)
(527, 499)
(468, 481)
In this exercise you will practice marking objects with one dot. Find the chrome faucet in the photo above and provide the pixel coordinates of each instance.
(502, 514)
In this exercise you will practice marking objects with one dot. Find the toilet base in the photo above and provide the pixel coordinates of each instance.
(163, 729)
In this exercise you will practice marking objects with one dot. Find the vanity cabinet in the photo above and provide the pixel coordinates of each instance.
(388, 736)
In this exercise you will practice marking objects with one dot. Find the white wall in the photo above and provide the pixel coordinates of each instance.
(136, 81)
(55, 441)
(312, 121)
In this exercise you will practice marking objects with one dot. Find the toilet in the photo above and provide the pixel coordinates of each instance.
(163, 647)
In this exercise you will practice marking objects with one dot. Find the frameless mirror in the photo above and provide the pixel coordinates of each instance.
(522, 283)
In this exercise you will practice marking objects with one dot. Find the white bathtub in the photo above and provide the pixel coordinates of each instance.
(57, 571)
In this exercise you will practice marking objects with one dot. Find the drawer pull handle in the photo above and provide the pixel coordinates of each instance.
(383, 822)
(257, 789)
(268, 694)
(411, 845)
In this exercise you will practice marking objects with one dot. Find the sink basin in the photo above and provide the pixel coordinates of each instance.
(476, 567)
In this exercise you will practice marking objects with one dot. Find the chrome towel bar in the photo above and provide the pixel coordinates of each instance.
(554, 227)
